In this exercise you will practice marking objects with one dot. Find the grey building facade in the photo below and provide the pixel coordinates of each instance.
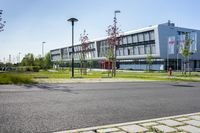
(134, 47)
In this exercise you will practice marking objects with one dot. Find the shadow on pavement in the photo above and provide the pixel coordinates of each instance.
(183, 85)
(50, 87)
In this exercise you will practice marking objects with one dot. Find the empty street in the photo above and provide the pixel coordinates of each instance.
(57, 107)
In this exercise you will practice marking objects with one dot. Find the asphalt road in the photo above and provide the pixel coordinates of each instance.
(55, 107)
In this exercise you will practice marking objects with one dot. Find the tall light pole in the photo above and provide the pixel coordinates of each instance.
(19, 57)
(115, 30)
(72, 20)
(43, 49)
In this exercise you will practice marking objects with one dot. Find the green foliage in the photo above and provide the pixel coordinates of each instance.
(28, 69)
(185, 52)
(90, 63)
(38, 63)
(149, 61)
(110, 54)
(14, 79)
(28, 60)
(26, 77)
(47, 61)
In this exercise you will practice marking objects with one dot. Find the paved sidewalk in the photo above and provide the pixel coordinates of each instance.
(188, 123)
(88, 80)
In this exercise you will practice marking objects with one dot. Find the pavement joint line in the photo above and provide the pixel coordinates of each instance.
(126, 123)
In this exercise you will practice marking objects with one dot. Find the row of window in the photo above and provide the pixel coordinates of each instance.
(55, 57)
(55, 51)
(132, 50)
(130, 39)
(79, 47)
(139, 37)
(88, 55)
(136, 50)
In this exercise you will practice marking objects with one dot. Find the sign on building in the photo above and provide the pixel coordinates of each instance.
(171, 43)
(193, 45)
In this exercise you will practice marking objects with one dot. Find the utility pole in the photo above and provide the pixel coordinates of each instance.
(72, 20)
(115, 30)
(19, 58)
(43, 49)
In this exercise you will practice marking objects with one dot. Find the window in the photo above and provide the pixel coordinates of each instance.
(153, 48)
(121, 51)
(146, 36)
(129, 39)
(121, 41)
(125, 51)
(152, 36)
(130, 50)
(140, 37)
(141, 49)
(135, 49)
(93, 54)
(117, 52)
(124, 40)
(147, 49)
(135, 39)
(91, 45)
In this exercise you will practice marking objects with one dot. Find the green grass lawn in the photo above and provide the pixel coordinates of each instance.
(27, 77)
(15, 78)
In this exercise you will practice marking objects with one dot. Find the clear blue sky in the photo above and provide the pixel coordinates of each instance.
(30, 22)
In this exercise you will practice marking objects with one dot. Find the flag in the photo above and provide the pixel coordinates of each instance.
(193, 45)
(181, 41)
(171, 43)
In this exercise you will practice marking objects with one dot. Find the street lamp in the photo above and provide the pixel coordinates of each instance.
(115, 18)
(115, 34)
(19, 57)
(43, 49)
(72, 20)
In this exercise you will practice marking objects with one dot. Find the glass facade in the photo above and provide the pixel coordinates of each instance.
(152, 35)
(129, 38)
(135, 38)
(141, 37)
(142, 43)
(137, 44)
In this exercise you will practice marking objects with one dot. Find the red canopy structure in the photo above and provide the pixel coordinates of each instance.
(105, 64)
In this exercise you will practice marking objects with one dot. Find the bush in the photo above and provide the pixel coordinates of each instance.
(14, 79)
(28, 69)
(35, 68)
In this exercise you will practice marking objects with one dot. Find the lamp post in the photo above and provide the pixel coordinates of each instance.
(43, 49)
(19, 57)
(115, 30)
(72, 20)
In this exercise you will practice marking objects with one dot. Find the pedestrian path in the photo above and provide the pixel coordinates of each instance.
(89, 80)
(188, 123)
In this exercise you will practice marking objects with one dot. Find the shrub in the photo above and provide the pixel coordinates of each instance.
(14, 79)
(28, 69)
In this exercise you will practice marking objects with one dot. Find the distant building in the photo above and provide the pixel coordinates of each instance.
(162, 42)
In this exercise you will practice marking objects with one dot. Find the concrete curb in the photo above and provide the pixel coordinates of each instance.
(123, 124)
(88, 80)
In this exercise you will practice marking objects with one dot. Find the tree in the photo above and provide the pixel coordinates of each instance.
(85, 49)
(113, 41)
(149, 61)
(2, 23)
(47, 61)
(185, 52)
(28, 60)
(90, 62)
(39, 62)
